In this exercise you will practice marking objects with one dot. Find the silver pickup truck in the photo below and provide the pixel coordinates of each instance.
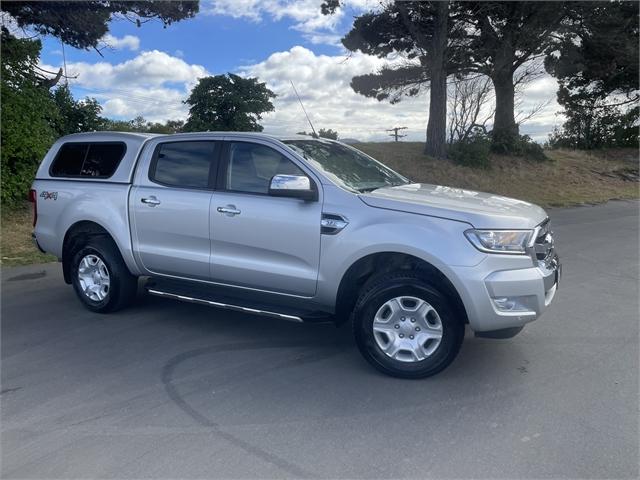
(296, 228)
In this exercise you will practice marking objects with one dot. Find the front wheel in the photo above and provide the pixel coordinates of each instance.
(100, 277)
(405, 327)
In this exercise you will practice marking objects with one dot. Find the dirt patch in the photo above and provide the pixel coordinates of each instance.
(629, 174)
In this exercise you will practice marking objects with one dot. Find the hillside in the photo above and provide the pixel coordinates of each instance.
(570, 177)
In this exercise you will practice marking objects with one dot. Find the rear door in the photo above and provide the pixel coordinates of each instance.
(258, 241)
(170, 208)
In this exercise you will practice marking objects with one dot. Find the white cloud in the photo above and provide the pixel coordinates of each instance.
(323, 83)
(324, 39)
(306, 14)
(155, 104)
(248, 9)
(152, 68)
(152, 84)
(130, 42)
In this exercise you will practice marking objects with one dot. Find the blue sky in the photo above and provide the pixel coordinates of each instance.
(220, 43)
(149, 70)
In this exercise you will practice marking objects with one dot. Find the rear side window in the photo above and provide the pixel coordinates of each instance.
(183, 164)
(93, 160)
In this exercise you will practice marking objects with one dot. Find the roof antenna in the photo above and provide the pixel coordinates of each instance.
(315, 135)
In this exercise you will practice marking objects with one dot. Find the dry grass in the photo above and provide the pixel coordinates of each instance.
(17, 247)
(569, 178)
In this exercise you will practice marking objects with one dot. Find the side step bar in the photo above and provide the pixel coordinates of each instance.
(240, 300)
(226, 306)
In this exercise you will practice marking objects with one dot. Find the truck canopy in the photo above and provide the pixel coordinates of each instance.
(95, 156)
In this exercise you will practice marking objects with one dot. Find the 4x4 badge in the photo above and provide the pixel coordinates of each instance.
(49, 195)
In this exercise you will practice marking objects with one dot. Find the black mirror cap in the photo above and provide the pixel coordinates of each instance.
(306, 195)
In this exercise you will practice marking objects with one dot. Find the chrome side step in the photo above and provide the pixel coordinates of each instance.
(226, 306)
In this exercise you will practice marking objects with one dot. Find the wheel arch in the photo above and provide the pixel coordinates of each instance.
(77, 235)
(384, 262)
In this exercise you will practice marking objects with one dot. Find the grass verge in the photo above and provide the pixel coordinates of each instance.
(15, 242)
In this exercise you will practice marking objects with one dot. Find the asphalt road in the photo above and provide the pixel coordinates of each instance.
(168, 389)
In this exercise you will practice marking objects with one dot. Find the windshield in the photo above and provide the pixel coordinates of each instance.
(346, 166)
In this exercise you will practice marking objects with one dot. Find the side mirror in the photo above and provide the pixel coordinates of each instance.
(294, 186)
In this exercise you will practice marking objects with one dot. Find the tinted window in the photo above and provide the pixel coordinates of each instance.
(102, 159)
(98, 160)
(251, 167)
(183, 164)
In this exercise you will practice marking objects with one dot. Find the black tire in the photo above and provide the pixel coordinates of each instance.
(122, 285)
(385, 287)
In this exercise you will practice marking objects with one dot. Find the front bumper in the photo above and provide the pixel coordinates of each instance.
(506, 292)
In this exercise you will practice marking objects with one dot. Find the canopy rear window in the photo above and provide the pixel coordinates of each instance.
(88, 160)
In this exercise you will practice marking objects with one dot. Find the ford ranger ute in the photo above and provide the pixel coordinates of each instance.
(295, 228)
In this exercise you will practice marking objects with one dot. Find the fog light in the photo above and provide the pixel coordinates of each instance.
(504, 303)
(509, 304)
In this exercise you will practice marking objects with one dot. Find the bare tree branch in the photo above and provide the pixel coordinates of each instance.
(471, 106)
(522, 117)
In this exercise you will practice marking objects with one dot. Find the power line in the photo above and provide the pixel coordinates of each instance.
(395, 132)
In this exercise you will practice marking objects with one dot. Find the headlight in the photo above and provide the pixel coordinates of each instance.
(500, 241)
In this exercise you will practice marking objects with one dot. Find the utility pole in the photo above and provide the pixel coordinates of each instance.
(395, 133)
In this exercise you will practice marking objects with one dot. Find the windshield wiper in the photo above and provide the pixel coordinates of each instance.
(371, 189)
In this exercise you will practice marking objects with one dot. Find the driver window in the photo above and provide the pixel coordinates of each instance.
(251, 167)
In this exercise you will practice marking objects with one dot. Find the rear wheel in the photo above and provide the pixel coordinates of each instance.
(405, 327)
(100, 277)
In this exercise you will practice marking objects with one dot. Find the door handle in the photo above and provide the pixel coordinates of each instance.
(229, 210)
(151, 201)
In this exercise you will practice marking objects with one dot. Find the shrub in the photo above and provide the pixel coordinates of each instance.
(28, 111)
(518, 146)
(594, 128)
(471, 152)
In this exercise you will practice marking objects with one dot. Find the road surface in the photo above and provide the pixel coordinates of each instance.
(175, 390)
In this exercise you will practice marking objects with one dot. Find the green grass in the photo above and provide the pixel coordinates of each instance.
(569, 178)
(16, 245)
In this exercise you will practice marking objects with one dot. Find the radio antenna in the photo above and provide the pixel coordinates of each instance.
(315, 135)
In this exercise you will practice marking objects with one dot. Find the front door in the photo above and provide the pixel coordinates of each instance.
(170, 209)
(258, 241)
